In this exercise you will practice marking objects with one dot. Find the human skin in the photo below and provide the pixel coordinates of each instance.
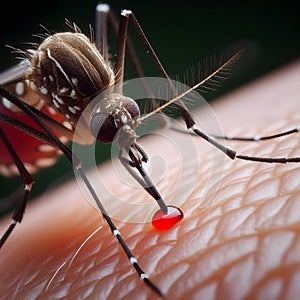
(239, 238)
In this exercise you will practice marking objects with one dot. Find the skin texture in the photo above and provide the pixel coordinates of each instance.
(239, 238)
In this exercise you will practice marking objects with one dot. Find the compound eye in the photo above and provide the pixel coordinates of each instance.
(103, 128)
(132, 107)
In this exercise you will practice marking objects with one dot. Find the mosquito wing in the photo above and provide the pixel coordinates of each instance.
(14, 74)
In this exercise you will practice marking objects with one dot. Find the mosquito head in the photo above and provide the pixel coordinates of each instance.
(115, 114)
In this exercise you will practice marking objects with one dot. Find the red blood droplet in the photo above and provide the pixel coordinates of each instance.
(164, 221)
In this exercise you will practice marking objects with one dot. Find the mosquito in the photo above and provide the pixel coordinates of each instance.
(44, 96)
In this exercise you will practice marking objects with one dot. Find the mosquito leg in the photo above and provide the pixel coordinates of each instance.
(102, 14)
(233, 155)
(149, 184)
(279, 160)
(102, 11)
(229, 152)
(121, 47)
(128, 165)
(129, 48)
(105, 16)
(28, 182)
(257, 138)
(117, 234)
(119, 69)
(145, 180)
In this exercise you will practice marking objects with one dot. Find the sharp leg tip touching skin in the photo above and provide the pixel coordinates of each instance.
(242, 242)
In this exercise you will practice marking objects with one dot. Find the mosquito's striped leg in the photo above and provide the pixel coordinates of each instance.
(28, 182)
(135, 264)
(278, 160)
(257, 138)
(229, 152)
(117, 234)
(233, 155)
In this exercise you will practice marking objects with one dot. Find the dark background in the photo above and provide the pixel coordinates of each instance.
(183, 33)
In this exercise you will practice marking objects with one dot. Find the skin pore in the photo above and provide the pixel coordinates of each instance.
(239, 238)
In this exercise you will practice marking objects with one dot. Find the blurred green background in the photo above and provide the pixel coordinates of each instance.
(183, 33)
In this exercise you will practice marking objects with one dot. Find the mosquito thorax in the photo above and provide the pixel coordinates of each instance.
(69, 70)
(112, 114)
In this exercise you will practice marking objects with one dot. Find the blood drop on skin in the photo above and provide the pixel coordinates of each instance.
(162, 221)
